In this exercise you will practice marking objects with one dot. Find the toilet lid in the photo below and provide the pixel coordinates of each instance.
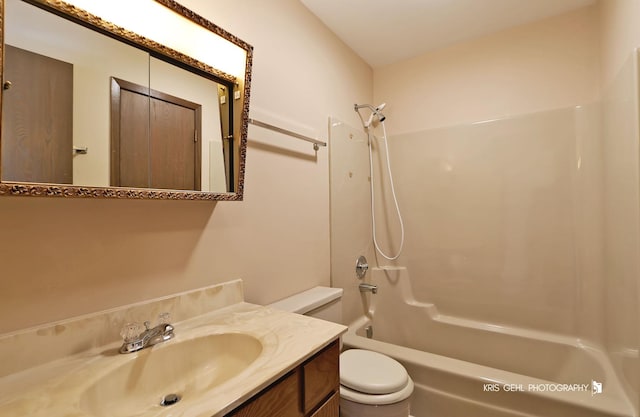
(376, 399)
(371, 372)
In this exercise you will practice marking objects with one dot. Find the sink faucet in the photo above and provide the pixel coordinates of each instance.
(364, 287)
(136, 339)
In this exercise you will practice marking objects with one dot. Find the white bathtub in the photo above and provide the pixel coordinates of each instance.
(464, 368)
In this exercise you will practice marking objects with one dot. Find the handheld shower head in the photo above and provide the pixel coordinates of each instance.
(375, 112)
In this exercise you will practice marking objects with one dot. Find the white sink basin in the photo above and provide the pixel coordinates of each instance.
(189, 369)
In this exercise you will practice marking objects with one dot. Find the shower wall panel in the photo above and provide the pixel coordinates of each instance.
(622, 223)
(490, 210)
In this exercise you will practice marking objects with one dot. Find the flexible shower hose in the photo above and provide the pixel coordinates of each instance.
(393, 192)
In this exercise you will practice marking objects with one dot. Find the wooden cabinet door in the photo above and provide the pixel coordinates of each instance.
(321, 376)
(280, 400)
(312, 390)
(331, 408)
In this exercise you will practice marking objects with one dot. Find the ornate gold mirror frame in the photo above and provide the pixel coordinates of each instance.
(157, 50)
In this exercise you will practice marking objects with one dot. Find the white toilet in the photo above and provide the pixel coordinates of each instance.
(371, 384)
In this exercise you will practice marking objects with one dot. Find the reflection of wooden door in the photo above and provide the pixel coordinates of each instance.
(37, 118)
(133, 144)
(173, 146)
(154, 139)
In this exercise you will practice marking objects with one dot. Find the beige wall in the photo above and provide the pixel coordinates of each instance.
(552, 63)
(620, 20)
(64, 257)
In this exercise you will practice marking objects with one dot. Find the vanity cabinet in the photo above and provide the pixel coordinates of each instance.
(310, 390)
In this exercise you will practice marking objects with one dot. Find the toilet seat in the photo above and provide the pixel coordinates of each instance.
(376, 399)
(372, 378)
(371, 372)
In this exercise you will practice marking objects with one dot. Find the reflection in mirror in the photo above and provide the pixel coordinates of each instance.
(91, 58)
(175, 126)
(89, 110)
(185, 85)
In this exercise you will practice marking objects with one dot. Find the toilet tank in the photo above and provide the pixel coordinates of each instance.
(320, 302)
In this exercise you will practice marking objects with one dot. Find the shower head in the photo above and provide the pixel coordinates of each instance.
(381, 117)
(375, 112)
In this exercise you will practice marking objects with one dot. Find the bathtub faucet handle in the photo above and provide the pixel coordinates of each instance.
(361, 267)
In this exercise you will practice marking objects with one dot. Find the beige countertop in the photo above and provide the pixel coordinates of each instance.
(57, 388)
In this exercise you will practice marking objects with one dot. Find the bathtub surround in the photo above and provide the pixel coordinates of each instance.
(350, 212)
(492, 209)
(500, 237)
(499, 228)
(620, 23)
(622, 224)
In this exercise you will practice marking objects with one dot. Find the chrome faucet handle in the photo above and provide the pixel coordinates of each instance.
(131, 332)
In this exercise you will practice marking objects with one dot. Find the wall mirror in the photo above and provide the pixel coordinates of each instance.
(96, 103)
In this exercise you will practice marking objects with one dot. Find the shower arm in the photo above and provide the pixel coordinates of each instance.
(357, 107)
(375, 112)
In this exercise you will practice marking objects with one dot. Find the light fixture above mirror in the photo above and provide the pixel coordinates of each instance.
(202, 71)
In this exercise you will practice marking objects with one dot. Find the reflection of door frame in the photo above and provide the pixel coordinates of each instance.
(116, 86)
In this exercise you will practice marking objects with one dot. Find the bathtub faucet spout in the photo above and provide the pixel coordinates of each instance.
(364, 287)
